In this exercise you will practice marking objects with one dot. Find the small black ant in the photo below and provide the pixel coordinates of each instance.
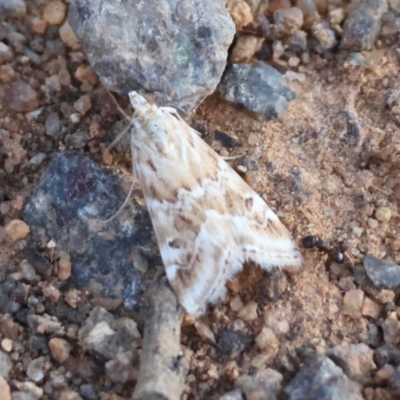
(334, 254)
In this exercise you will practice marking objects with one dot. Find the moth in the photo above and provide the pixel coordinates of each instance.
(207, 220)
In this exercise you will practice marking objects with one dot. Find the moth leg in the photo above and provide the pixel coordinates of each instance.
(234, 157)
(134, 179)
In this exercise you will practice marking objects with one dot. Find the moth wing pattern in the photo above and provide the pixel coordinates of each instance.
(207, 220)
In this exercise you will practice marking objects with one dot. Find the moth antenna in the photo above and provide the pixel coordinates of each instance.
(118, 106)
(120, 136)
(128, 196)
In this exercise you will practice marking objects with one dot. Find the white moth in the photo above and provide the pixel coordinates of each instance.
(207, 220)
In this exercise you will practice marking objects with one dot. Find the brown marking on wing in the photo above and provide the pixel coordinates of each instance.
(174, 243)
(249, 203)
(275, 227)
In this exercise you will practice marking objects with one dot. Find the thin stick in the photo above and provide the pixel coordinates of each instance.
(163, 367)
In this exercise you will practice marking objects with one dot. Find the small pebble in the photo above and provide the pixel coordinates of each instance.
(75, 118)
(53, 83)
(248, 312)
(370, 308)
(357, 231)
(20, 96)
(69, 395)
(40, 26)
(205, 332)
(236, 304)
(16, 230)
(28, 271)
(265, 337)
(51, 292)
(288, 20)
(245, 48)
(352, 303)
(274, 5)
(7, 345)
(373, 223)
(37, 159)
(68, 36)
(240, 12)
(6, 53)
(60, 349)
(64, 269)
(384, 374)
(85, 74)
(52, 124)
(383, 214)
(55, 12)
(83, 104)
(35, 370)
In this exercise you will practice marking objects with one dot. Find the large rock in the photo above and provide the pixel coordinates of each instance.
(175, 51)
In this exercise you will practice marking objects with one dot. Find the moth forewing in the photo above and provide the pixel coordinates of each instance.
(207, 220)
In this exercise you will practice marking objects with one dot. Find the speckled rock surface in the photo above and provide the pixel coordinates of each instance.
(258, 89)
(68, 206)
(174, 51)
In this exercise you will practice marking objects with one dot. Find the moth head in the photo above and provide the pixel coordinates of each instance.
(139, 103)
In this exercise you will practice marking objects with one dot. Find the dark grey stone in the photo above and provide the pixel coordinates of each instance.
(12, 9)
(257, 89)
(77, 140)
(69, 204)
(175, 51)
(232, 343)
(320, 379)
(363, 23)
(384, 274)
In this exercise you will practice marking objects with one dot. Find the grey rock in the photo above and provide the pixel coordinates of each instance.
(363, 24)
(35, 370)
(232, 343)
(35, 58)
(391, 329)
(384, 274)
(52, 124)
(263, 385)
(320, 379)
(69, 206)
(232, 395)
(257, 89)
(323, 38)
(355, 359)
(97, 333)
(88, 392)
(175, 51)
(77, 140)
(12, 9)
(31, 391)
(19, 395)
(352, 135)
(121, 370)
(37, 44)
(38, 158)
(108, 339)
(5, 364)
(387, 354)
(356, 59)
